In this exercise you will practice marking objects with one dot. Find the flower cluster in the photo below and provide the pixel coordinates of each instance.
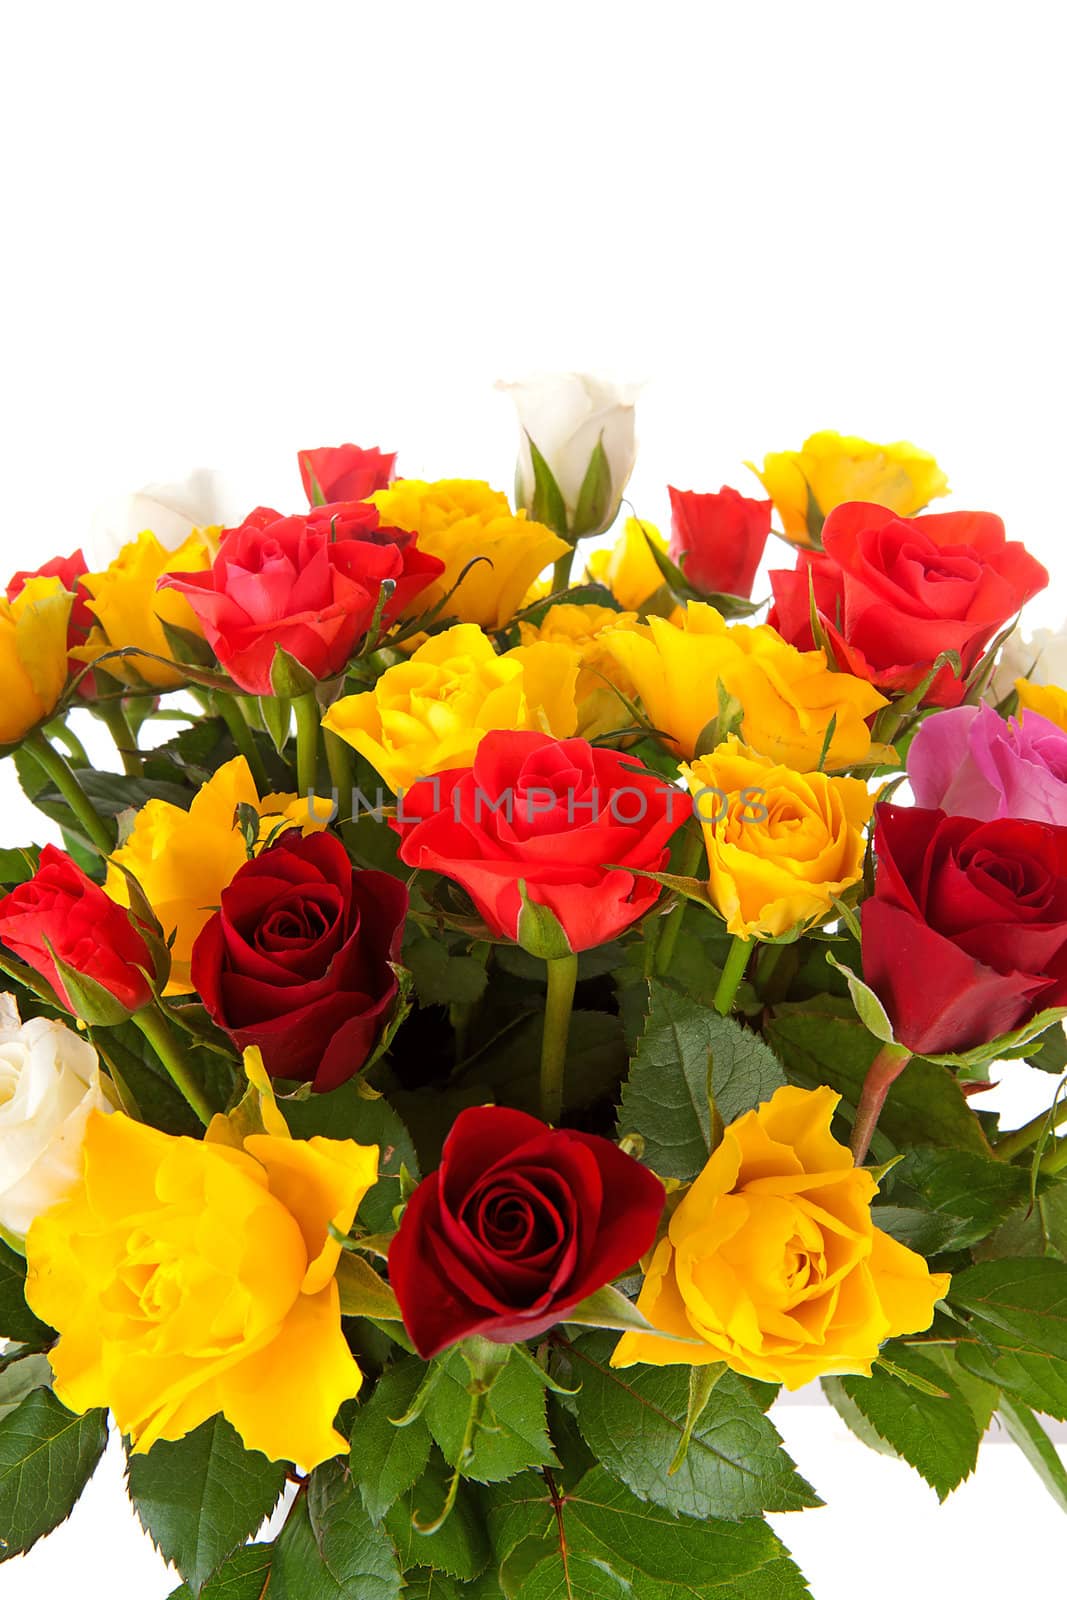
(500, 979)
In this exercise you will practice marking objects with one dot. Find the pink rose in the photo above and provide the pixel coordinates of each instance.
(969, 762)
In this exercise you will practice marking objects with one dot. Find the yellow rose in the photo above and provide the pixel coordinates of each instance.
(582, 629)
(772, 1262)
(789, 697)
(184, 859)
(131, 611)
(430, 714)
(33, 654)
(832, 468)
(781, 844)
(629, 568)
(186, 1277)
(1044, 698)
(458, 520)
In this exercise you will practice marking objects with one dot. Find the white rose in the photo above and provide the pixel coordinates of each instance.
(49, 1083)
(169, 510)
(567, 415)
(1042, 658)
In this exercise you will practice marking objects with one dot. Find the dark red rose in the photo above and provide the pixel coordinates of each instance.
(965, 936)
(517, 1225)
(893, 592)
(344, 472)
(563, 816)
(718, 539)
(309, 584)
(62, 908)
(296, 959)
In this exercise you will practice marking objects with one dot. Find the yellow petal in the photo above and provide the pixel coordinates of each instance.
(320, 1181)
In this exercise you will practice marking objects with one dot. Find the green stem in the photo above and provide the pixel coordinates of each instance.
(882, 1073)
(156, 1029)
(65, 779)
(339, 761)
(561, 572)
(671, 925)
(1055, 1160)
(112, 714)
(75, 749)
(241, 734)
(308, 718)
(732, 973)
(1020, 1139)
(562, 977)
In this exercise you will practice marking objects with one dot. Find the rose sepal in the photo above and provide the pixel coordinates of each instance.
(539, 931)
(89, 1001)
(362, 1292)
(610, 1308)
(730, 606)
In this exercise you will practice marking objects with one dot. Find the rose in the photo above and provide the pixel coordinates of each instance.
(831, 469)
(965, 936)
(788, 699)
(567, 819)
(430, 713)
(299, 584)
(782, 846)
(131, 610)
(892, 593)
(49, 1083)
(718, 539)
(344, 472)
(603, 688)
(59, 916)
(583, 429)
(186, 1277)
(69, 570)
(628, 569)
(772, 1262)
(467, 525)
(519, 1223)
(33, 654)
(297, 958)
(182, 860)
(170, 511)
(969, 762)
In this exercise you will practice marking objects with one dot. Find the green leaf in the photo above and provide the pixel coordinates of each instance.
(633, 1419)
(596, 497)
(200, 1497)
(1049, 1050)
(429, 1583)
(1037, 1230)
(459, 1546)
(547, 504)
(441, 978)
(17, 1321)
(1037, 1379)
(24, 1374)
(512, 1432)
(1026, 1298)
(345, 1114)
(510, 1068)
(1024, 1430)
(821, 1041)
(19, 865)
(970, 1193)
(387, 1460)
(244, 1577)
(47, 1456)
(600, 1540)
(938, 1437)
(981, 1397)
(330, 1550)
(665, 1098)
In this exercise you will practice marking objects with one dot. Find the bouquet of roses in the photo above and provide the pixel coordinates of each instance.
(502, 1024)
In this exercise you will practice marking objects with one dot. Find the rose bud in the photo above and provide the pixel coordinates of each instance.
(583, 429)
(718, 539)
(344, 472)
(518, 1224)
(297, 958)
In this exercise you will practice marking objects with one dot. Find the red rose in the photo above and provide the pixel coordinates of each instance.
(70, 570)
(718, 539)
(893, 592)
(965, 937)
(309, 584)
(566, 818)
(62, 908)
(296, 959)
(344, 472)
(518, 1224)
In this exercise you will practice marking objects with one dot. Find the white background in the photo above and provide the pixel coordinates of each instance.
(236, 230)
